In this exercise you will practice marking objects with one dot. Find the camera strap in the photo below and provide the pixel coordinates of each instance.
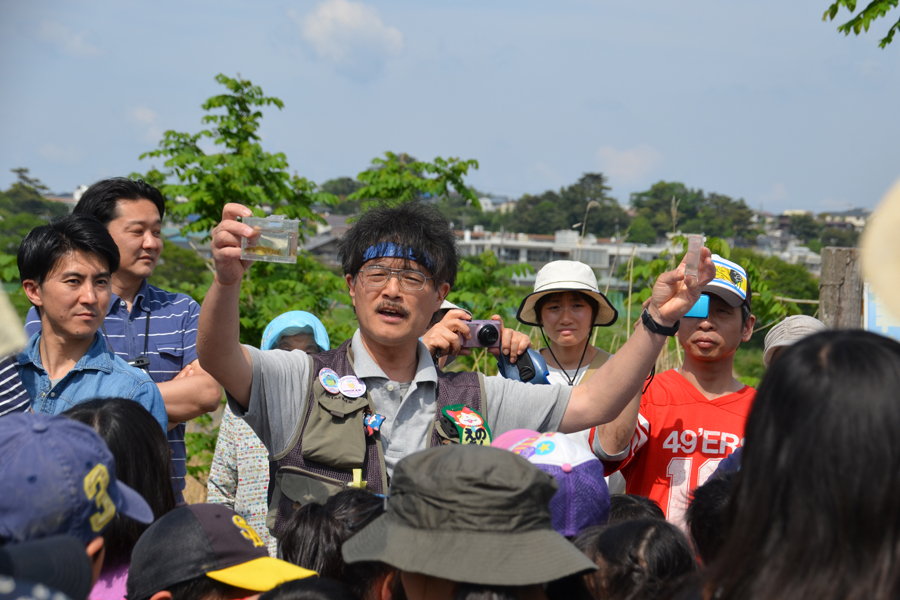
(142, 361)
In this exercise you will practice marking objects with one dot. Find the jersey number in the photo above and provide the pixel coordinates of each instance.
(679, 474)
(95, 484)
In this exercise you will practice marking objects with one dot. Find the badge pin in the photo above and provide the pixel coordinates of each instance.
(373, 423)
(330, 381)
(351, 387)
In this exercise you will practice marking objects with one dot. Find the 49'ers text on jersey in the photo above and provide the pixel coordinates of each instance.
(680, 439)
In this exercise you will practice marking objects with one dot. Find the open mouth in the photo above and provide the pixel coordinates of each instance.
(392, 312)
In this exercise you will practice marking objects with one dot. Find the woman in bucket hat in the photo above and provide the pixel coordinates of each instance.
(567, 304)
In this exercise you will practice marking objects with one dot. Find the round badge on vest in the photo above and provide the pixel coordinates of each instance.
(329, 380)
(351, 387)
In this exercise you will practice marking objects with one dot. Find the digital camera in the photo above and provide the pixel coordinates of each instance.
(485, 334)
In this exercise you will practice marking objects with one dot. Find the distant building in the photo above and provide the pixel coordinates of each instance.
(850, 219)
(603, 256)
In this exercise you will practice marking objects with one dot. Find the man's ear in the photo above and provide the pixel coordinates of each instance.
(349, 279)
(747, 330)
(164, 595)
(385, 590)
(96, 553)
(442, 291)
(33, 291)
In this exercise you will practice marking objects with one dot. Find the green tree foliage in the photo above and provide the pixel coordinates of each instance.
(805, 228)
(832, 236)
(641, 231)
(242, 172)
(712, 214)
(400, 178)
(22, 208)
(554, 211)
(341, 188)
(876, 9)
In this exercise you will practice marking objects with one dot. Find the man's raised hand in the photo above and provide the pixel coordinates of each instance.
(226, 244)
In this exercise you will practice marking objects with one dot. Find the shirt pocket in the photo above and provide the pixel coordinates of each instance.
(169, 362)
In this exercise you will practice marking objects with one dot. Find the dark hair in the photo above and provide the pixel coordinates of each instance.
(706, 515)
(315, 533)
(571, 587)
(642, 558)
(101, 200)
(200, 588)
(805, 521)
(627, 507)
(45, 245)
(143, 462)
(418, 228)
(540, 302)
(310, 588)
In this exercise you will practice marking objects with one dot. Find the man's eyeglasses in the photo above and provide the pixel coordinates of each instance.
(411, 281)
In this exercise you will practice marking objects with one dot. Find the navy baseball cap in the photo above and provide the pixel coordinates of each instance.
(58, 477)
(204, 540)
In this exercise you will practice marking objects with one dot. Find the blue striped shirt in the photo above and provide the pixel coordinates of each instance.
(171, 345)
(13, 395)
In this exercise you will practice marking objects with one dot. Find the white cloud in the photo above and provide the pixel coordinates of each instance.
(350, 36)
(148, 120)
(628, 166)
(71, 42)
(67, 155)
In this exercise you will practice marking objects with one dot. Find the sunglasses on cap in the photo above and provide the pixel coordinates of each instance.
(700, 310)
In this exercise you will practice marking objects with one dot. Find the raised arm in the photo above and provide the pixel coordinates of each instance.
(603, 398)
(218, 335)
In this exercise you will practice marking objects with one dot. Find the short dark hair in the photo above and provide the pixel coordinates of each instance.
(706, 515)
(639, 559)
(626, 507)
(418, 228)
(101, 199)
(310, 588)
(592, 302)
(45, 245)
(143, 462)
(315, 533)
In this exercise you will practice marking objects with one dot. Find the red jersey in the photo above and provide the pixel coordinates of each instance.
(679, 441)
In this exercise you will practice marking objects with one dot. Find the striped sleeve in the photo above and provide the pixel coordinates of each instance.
(14, 397)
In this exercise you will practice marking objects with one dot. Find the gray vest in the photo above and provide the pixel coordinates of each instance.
(330, 443)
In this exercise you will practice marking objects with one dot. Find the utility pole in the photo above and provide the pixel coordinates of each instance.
(841, 288)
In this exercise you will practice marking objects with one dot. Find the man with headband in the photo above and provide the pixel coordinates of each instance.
(344, 418)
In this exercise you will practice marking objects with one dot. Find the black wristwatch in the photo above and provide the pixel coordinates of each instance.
(654, 327)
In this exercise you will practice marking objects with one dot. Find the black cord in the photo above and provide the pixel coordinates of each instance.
(649, 379)
(572, 379)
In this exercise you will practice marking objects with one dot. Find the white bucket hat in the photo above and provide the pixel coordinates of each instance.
(566, 276)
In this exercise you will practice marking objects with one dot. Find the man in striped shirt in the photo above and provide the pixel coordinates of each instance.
(151, 328)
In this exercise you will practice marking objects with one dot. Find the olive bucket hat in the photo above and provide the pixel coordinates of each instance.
(566, 276)
(470, 514)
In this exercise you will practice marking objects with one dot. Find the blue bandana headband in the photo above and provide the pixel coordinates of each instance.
(392, 250)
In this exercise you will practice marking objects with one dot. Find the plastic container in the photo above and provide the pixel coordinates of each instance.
(692, 260)
(276, 242)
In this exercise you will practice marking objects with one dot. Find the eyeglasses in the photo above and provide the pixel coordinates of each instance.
(411, 281)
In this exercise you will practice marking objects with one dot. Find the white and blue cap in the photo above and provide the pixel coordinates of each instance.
(58, 477)
(292, 323)
(730, 284)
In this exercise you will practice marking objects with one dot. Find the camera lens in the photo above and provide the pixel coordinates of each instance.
(488, 335)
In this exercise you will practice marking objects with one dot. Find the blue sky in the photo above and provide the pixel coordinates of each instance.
(758, 100)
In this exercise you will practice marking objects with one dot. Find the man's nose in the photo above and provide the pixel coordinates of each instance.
(392, 287)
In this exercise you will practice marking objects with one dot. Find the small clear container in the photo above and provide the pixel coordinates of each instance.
(692, 259)
(276, 242)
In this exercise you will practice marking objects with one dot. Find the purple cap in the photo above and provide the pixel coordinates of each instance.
(58, 477)
(583, 497)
